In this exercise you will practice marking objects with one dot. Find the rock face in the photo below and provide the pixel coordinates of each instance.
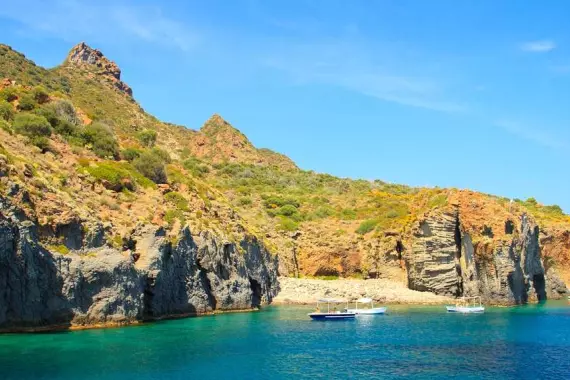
(444, 260)
(82, 54)
(155, 278)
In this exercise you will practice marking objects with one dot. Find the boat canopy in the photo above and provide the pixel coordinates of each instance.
(364, 300)
(331, 300)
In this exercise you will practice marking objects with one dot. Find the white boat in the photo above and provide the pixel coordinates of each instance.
(366, 311)
(329, 314)
(467, 305)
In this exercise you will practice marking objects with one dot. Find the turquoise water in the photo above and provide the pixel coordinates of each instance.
(528, 342)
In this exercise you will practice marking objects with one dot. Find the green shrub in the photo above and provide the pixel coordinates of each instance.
(6, 126)
(366, 226)
(9, 94)
(439, 200)
(277, 201)
(65, 110)
(347, 214)
(244, 201)
(115, 173)
(101, 139)
(323, 212)
(40, 141)
(31, 125)
(286, 224)
(147, 137)
(178, 200)
(162, 154)
(196, 167)
(130, 154)
(532, 201)
(40, 94)
(6, 111)
(172, 215)
(151, 166)
(26, 103)
(554, 209)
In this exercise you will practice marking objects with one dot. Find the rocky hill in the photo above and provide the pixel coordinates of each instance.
(108, 215)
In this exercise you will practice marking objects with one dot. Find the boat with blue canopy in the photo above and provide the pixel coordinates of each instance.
(331, 313)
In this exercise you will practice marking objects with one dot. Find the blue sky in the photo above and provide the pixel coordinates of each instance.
(467, 94)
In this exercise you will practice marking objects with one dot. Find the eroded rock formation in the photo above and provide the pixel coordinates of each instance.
(151, 278)
(82, 54)
(445, 260)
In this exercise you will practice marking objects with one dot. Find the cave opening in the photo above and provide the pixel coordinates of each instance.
(539, 284)
(488, 231)
(509, 227)
(255, 292)
(399, 249)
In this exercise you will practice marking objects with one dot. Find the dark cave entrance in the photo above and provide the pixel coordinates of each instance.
(399, 249)
(509, 227)
(539, 284)
(255, 292)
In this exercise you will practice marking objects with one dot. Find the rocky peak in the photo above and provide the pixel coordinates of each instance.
(84, 55)
(216, 124)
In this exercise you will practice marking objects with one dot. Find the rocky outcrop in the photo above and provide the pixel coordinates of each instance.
(82, 54)
(151, 278)
(445, 260)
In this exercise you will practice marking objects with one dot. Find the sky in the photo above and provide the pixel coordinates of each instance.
(466, 94)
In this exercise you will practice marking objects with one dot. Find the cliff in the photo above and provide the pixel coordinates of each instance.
(109, 215)
(152, 277)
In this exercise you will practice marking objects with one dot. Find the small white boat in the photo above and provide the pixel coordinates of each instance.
(366, 311)
(329, 314)
(467, 305)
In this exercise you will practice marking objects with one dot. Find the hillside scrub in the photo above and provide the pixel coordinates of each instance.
(31, 125)
(151, 165)
(147, 137)
(101, 140)
(26, 103)
(6, 111)
(40, 94)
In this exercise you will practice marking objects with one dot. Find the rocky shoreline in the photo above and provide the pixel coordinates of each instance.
(302, 291)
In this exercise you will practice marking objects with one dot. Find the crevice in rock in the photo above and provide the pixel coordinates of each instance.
(539, 284)
(458, 253)
(255, 292)
(207, 286)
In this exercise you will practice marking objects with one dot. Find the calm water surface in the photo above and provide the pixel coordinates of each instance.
(531, 342)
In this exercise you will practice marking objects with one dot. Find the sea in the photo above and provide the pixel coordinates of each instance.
(281, 342)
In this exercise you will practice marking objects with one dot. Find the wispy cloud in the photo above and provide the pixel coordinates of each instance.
(533, 134)
(350, 66)
(74, 20)
(542, 46)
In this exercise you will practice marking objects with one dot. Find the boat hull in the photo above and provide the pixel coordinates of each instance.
(374, 311)
(331, 316)
(465, 310)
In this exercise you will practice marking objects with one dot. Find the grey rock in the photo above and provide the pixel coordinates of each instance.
(98, 285)
(443, 260)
